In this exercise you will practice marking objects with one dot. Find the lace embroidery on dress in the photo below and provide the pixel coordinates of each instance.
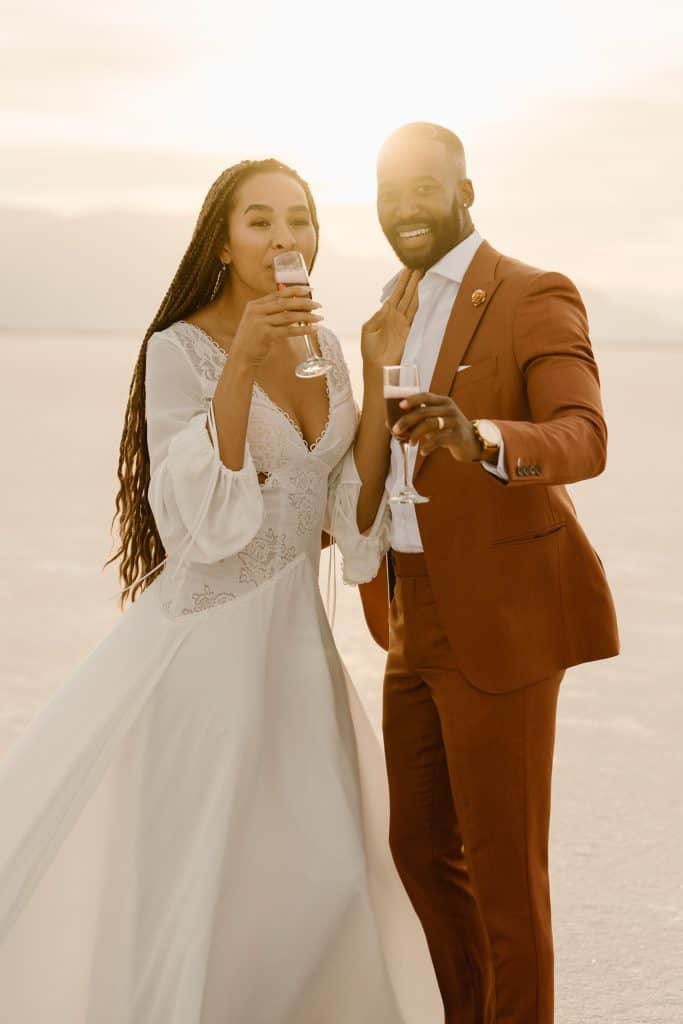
(207, 359)
(339, 374)
(292, 422)
(297, 484)
(206, 598)
(262, 556)
(268, 447)
(306, 491)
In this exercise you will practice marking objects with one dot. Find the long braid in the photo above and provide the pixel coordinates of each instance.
(196, 282)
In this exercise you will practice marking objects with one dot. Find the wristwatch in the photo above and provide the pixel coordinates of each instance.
(488, 435)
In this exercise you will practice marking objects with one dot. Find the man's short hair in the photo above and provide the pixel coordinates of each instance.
(420, 130)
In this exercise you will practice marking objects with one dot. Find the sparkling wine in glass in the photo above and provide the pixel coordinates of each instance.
(400, 382)
(289, 268)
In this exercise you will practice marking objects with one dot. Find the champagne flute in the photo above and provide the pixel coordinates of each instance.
(399, 383)
(289, 268)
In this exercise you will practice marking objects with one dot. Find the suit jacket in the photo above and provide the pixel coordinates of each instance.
(519, 589)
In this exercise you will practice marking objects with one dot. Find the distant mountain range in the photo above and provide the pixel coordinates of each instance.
(110, 270)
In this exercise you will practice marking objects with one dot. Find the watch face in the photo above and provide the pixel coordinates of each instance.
(489, 431)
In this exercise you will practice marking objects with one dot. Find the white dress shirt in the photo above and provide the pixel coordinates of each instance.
(437, 292)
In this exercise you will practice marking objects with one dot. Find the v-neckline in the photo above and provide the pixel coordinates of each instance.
(309, 446)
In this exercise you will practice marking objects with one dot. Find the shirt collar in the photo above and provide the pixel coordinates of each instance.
(453, 266)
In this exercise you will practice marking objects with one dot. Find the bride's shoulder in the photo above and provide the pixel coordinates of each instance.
(203, 355)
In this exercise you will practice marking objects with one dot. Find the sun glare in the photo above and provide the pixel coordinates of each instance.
(325, 98)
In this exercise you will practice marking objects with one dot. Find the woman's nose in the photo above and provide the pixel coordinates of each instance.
(284, 240)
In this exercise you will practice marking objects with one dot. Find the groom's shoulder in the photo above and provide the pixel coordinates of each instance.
(523, 278)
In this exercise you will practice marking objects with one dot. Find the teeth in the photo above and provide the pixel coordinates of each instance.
(414, 234)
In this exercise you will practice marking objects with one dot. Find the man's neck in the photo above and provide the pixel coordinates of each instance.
(455, 245)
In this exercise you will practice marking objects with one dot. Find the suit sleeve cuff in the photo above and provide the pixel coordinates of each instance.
(499, 469)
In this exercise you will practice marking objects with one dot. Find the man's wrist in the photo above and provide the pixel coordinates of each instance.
(489, 439)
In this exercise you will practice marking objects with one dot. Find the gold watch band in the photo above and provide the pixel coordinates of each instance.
(486, 447)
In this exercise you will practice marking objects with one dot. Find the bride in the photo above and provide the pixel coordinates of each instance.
(194, 829)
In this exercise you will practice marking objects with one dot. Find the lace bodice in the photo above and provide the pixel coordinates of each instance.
(226, 532)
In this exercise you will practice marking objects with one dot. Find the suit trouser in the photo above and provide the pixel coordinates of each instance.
(470, 786)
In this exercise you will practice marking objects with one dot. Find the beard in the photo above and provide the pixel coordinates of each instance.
(444, 234)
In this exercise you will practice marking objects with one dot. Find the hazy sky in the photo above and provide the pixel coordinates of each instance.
(571, 115)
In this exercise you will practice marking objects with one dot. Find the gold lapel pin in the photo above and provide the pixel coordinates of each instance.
(478, 297)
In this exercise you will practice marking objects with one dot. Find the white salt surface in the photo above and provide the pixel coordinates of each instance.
(617, 835)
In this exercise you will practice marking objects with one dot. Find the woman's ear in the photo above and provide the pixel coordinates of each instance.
(225, 255)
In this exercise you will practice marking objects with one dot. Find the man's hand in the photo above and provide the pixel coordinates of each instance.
(384, 336)
(420, 425)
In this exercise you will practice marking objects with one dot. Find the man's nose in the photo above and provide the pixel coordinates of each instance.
(406, 209)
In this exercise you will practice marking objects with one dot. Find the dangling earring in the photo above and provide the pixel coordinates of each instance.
(219, 280)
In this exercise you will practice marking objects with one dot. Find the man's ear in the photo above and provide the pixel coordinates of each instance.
(466, 189)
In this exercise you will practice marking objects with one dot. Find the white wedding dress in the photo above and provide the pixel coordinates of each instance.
(194, 829)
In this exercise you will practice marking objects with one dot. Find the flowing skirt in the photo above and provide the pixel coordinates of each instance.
(195, 831)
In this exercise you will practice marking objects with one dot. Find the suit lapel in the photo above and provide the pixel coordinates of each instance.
(463, 322)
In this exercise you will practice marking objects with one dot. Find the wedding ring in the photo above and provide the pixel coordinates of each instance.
(440, 422)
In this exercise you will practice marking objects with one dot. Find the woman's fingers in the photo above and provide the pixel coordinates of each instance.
(284, 318)
(413, 304)
(289, 291)
(410, 295)
(298, 330)
(277, 303)
(399, 288)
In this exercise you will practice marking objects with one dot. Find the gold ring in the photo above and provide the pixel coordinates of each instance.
(440, 422)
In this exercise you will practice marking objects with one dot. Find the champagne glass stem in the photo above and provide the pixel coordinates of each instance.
(309, 347)
(405, 445)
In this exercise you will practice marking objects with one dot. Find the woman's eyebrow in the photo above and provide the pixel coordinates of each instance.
(258, 206)
(301, 208)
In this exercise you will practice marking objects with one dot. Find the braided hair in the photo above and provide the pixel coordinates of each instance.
(198, 279)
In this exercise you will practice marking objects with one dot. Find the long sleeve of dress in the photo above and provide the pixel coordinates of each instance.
(362, 553)
(204, 511)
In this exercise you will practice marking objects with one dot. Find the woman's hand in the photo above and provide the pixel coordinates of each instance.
(270, 321)
(384, 336)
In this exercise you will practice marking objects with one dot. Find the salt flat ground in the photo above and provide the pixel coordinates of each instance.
(617, 863)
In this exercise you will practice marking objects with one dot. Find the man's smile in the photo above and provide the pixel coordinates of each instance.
(414, 234)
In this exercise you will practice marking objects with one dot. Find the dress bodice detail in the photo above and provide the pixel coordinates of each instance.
(256, 521)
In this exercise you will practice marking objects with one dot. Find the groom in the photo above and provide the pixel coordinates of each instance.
(495, 587)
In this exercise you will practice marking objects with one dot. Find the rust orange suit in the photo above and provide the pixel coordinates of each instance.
(480, 628)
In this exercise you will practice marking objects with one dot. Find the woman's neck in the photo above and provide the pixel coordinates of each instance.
(228, 306)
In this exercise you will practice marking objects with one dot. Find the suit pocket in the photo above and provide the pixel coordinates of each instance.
(476, 372)
(538, 534)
